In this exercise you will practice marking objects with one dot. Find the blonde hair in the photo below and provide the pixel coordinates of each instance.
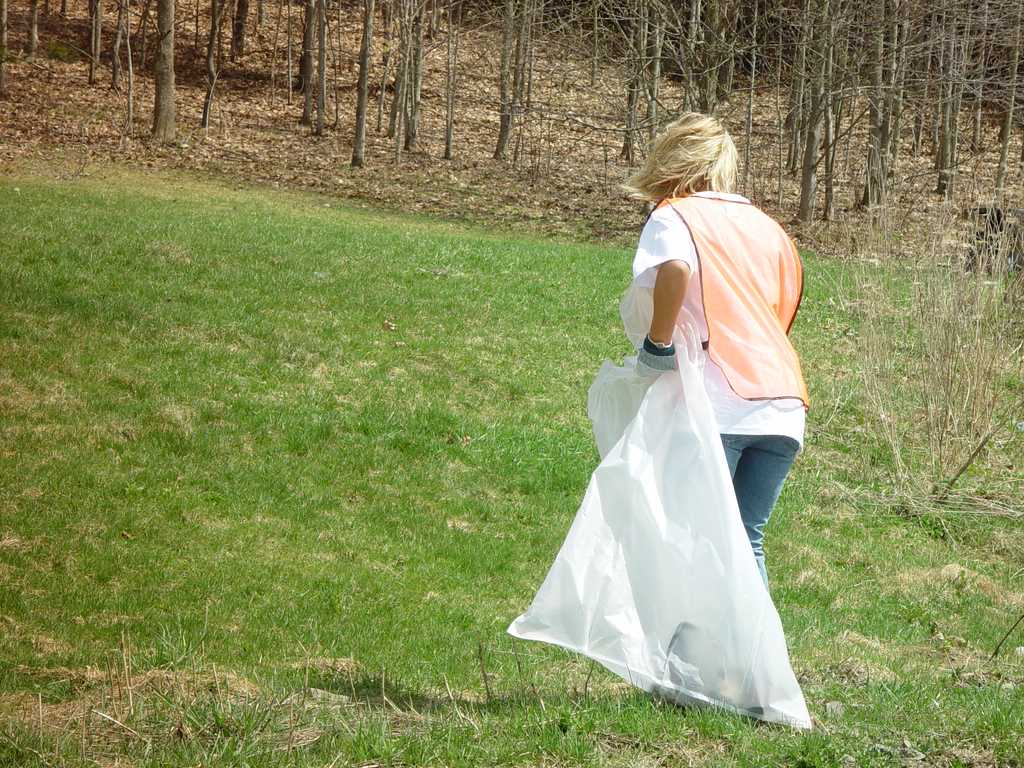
(693, 153)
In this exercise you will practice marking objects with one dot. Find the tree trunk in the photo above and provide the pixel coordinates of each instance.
(238, 29)
(402, 76)
(654, 78)
(386, 18)
(505, 81)
(3, 47)
(321, 70)
(1004, 148)
(306, 62)
(143, 33)
(812, 142)
(692, 40)
(726, 35)
(454, 20)
(96, 38)
(749, 121)
(945, 154)
(895, 116)
(979, 96)
(288, 52)
(363, 88)
(164, 127)
(115, 58)
(795, 117)
(833, 115)
(216, 14)
(593, 42)
(396, 112)
(522, 72)
(414, 86)
(875, 175)
(712, 58)
(637, 56)
(33, 30)
(129, 118)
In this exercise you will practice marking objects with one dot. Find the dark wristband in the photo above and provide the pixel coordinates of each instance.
(653, 349)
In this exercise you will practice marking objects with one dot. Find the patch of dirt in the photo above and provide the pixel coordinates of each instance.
(863, 641)
(169, 253)
(326, 664)
(859, 671)
(954, 575)
(182, 417)
(12, 542)
(965, 757)
(15, 397)
(49, 646)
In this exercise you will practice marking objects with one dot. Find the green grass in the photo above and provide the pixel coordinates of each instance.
(312, 460)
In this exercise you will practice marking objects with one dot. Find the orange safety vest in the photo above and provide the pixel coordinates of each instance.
(751, 285)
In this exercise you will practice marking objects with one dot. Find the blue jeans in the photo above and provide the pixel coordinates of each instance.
(758, 465)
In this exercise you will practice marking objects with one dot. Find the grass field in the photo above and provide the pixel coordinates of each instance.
(275, 475)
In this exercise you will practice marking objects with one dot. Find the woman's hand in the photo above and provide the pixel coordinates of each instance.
(655, 359)
(669, 290)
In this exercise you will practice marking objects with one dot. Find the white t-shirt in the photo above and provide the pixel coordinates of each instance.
(666, 238)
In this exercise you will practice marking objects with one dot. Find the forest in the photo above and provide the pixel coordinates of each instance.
(535, 109)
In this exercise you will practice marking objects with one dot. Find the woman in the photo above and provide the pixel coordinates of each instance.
(736, 271)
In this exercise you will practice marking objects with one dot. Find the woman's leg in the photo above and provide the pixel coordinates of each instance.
(759, 465)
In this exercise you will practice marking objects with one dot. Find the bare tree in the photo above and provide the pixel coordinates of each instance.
(33, 29)
(95, 38)
(119, 33)
(143, 31)
(637, 39)
(820, 56)
(657, 40)
(796, 117)
(238, 29)
(451, 75)
(289, 52)
(164, 125)
(749, 120)
(216, 15)
(505, 80)
(306, 61)
(363, 88)
(387, 23)
(875, 179)
(321, 70)
(945, 155)
(1007, 127)
(405, 11)
(414, 84)
(3, 47)
(129, 118)
(522, 72)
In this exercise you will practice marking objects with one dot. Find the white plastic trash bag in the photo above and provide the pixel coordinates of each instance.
(656, 579)
(614, 400)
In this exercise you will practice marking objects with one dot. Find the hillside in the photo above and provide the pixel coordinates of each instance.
(262, 502)
(564, 167)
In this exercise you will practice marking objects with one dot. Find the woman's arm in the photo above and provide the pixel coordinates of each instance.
(669, 290)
